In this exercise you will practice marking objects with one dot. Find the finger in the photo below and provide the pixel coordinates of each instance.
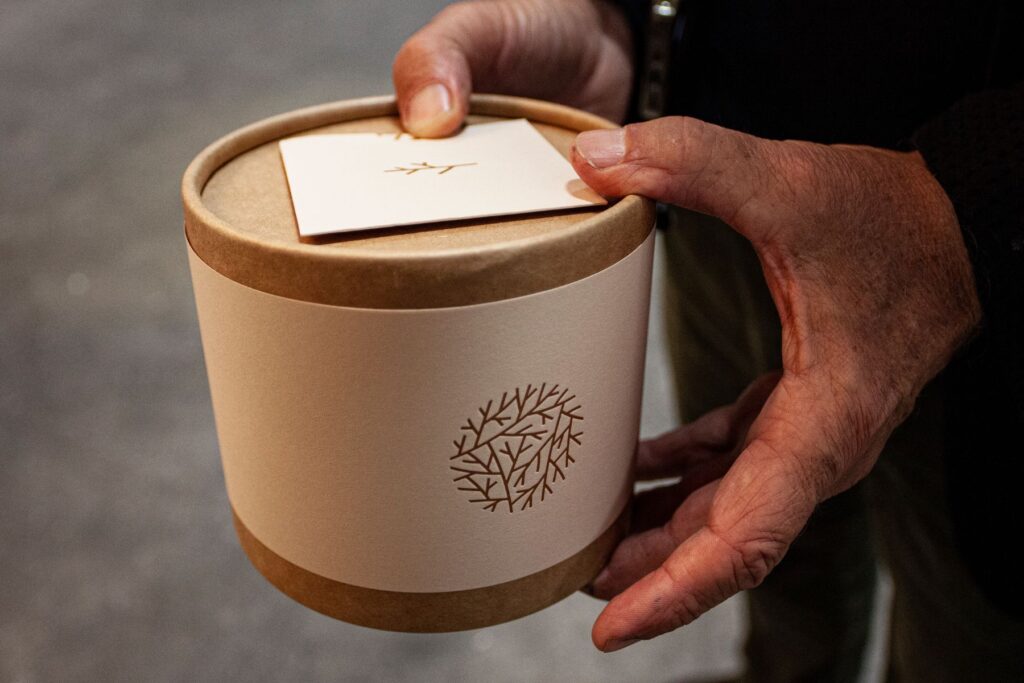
(654, 507)
(432, 75)
(672, 453)
(670, 508)
(757, 510)
(647, 546)
(434, 71)
(678, 160)
(710, 436)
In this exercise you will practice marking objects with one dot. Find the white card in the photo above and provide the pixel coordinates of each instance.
(358, 181)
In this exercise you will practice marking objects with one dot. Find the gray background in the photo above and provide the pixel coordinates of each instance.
(118, 559)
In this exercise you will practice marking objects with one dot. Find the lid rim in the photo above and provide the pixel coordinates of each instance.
(207, 232)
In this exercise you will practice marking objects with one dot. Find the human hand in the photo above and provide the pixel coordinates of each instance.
(863, 255)
(577, 52)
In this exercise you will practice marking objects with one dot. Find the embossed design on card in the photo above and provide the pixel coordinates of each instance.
(418, 166)
(339, 182)
(517, 449)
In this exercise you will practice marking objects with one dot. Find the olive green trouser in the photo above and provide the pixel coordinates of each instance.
(809, 620)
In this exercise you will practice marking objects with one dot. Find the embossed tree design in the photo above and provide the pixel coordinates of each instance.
(418, 166)
(513, 452)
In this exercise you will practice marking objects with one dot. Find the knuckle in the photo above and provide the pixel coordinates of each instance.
(682, 609)
(411, 55)
(688, 128)
(712, 169)
(658, 158)
(691, 139)
(751, 559)
(685, 610)
(754, 560)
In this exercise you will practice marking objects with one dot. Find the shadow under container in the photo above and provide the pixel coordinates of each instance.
(428, 428)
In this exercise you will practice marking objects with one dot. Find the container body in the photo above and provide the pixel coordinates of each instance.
(429, 468)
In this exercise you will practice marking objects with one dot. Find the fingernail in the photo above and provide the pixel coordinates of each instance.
(429, 103)
(601, 578)
(615, 644)
(602, 148)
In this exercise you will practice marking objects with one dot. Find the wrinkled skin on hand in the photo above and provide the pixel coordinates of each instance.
(862, 253)
(863, 256)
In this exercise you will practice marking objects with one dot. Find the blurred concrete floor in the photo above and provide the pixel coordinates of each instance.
(118, 560)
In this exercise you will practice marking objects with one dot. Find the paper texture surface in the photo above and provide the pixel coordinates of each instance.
(357, 181)
(377, 447)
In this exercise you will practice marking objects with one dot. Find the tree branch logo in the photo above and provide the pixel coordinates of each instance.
(511, 455)
(418, 166)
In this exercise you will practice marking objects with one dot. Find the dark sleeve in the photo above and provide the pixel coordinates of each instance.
(636, 12)
(636, 15)
(976, 151)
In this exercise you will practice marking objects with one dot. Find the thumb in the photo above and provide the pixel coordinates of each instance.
(678, 160)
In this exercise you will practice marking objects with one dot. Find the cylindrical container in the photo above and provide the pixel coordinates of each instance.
(427, 428)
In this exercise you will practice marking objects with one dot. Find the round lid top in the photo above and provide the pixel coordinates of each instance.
(239, 221)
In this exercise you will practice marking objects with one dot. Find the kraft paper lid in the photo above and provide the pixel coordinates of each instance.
(239, 220)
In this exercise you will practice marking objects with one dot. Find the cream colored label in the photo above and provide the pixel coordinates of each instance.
(428, 450)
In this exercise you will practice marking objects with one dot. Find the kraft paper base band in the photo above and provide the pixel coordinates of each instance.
(434, 612)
